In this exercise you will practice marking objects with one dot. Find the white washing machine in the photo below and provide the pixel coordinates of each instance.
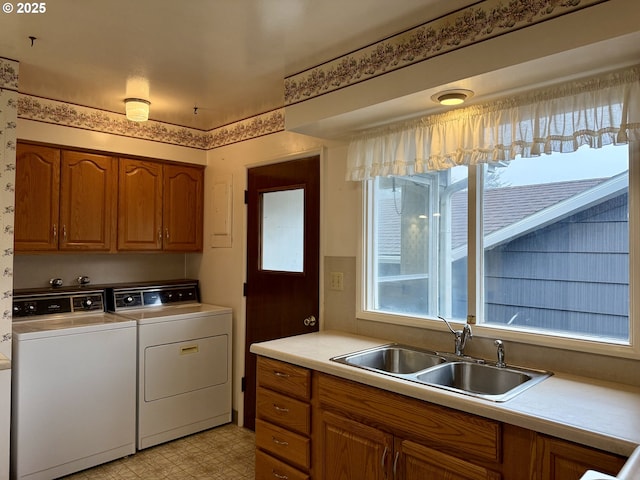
(73, 384)
(184, 359)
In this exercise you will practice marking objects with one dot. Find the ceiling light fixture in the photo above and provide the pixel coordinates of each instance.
(452, 97)
(137, 109)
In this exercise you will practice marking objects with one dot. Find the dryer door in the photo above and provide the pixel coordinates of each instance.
(181, 367)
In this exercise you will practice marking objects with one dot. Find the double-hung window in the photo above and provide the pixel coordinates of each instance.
(533, 237)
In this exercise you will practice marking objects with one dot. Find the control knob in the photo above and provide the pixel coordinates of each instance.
(87, 303)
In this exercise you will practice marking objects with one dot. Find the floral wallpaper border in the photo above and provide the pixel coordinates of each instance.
(8, 138)
(474, 24)
(76, 116)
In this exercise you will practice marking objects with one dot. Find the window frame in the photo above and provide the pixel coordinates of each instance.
(475, 294)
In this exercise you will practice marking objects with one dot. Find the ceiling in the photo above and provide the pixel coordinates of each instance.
(228, 58)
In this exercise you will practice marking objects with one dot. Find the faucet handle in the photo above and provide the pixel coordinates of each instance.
(467, 330)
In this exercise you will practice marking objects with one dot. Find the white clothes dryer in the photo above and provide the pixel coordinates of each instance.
(184, 359)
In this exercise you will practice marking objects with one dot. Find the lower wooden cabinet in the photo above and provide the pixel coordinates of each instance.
(352, 450)
(313, 426)
(355, 451)
(562, 460)
(270, 468)
(283, 423)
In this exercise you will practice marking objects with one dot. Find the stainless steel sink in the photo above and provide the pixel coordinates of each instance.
(481, 380)
(447, 371)
(396, 359)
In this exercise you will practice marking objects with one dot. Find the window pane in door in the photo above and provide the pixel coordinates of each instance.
(283, 231)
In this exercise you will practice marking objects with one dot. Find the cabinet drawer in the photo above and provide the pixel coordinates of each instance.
(284, 444)
(269, 468)
(446, 429)
(284, 377)
(284, 411)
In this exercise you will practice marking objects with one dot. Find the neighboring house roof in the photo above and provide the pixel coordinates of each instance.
(508, 211)
(505, 206)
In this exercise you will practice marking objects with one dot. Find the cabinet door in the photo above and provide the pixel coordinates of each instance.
(88, 186)
(37, 198)
(139, 205)
(353, 451)
(183, 208)
(417, 462)
(561, 460)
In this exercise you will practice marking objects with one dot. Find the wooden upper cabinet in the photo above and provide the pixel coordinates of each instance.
(68, 200)
(37, 198)
(139, 205)
(183, 194)
(88, 185)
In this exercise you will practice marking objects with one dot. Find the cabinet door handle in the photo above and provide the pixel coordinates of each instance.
(166, 233)
(279, 442)
(281, 375)
(159, 235)
(55, 233)
(64, 233)
(278, 475)
(382, 461)
(280, 409)
(395, 464)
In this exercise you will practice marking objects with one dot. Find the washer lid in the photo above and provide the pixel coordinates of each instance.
(55, 325)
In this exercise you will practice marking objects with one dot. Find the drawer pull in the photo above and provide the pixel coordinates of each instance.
(189, 349)
(279, 442)
(281, 375)
(278, 475)
(280, 409)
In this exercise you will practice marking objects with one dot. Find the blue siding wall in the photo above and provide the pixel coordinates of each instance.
(571, 275)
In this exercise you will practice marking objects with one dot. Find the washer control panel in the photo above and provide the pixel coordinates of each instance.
(36, 305)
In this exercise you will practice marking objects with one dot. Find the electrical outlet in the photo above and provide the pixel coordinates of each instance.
(336, 281)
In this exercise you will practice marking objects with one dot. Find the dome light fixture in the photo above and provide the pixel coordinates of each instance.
(137, 109)
(452, 97)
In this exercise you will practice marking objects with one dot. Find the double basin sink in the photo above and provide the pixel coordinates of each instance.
(464, 375)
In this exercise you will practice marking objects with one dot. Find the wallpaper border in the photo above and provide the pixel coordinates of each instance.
(468, 26)
(76, 116)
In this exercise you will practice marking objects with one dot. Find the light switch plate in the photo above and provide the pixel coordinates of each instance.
(336, 281)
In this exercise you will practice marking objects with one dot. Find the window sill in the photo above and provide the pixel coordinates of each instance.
(491, 332)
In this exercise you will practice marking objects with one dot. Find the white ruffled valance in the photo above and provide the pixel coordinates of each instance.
(596, 111)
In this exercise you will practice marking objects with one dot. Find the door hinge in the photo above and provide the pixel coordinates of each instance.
(243, 384)
(244, 289)
(246, 197)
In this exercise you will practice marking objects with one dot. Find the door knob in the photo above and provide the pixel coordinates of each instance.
(310, 321)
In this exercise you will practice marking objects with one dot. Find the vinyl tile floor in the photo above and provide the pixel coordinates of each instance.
(225, 452)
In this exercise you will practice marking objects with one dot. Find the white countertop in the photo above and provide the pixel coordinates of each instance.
(591, 412)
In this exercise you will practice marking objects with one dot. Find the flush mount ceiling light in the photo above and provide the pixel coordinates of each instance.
(452, 97)
(137, 109)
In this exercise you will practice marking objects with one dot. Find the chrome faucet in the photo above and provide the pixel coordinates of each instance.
(500, 363)
(461, 336)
